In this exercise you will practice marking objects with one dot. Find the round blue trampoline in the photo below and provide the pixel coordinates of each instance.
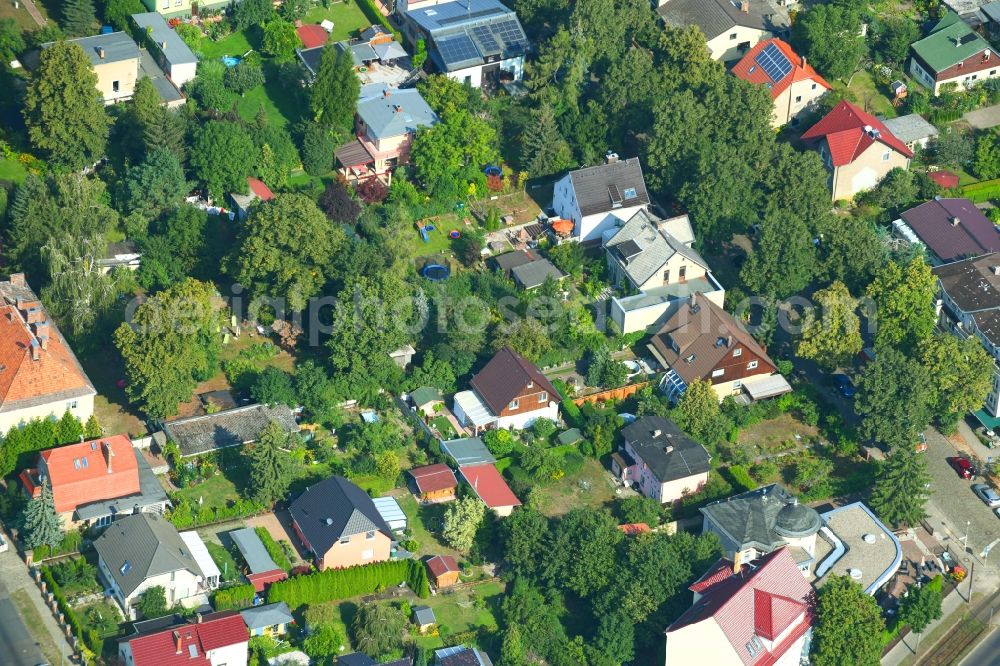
(435, 272)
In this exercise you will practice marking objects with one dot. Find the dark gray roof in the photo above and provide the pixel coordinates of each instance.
(174, 50)
(596, 186)
(535, 273)
(147, 67)
(510, 260)
(953, 228)
(973, 284)
(424, 615)
(233, 427)
(335, 508)
(267, 616)
(669, 453)
(150, 492)
(988, 323)
(468, 451)
(643, 248)
(762, 518)
(140, 546)
(311, 58)
(118, 46)
(361, 53)
(714, 17)
(252, 549)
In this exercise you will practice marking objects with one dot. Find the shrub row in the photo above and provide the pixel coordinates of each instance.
(90, 639)
(274, 549)
(183, 516)
(741, 477)
(71, 543)
(375, 16)
(335, 584)
(982, 191)
(945, 116)
(237, 596)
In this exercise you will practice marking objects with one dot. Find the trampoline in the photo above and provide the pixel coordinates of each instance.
(435, 272)
(454, 234)
(493, 171)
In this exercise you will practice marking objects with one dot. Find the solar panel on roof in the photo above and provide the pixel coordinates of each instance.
(971, 37)
(509, 32)
(486, 39)
(773, 62)
(457, 49)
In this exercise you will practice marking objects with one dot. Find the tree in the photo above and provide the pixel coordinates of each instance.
(222, 155)
(900, 491)
(784, 260)
(174, 249)
(79, 293)
(447, 156)
(294, 10)
(698, 411)
(461, 521)
(251, 13)
(961, 373)
(604, 371)
(544, 151)
(849, 251)
(378, 629)
(896, 35)
(318, 144)
(849, 624)
(524, 535)
(922, 605)
(280, 39)
(512, 651)
(153, 603)
(270, 465)
(338, 204)
(526, 335)
(273, 386)
(11, 41)
(904, 299)
(499, 441)
(117, 12)
(834, 338)
(244, 77)
(156, 184)
(987, 164)
(63, 111)
(831, 38)
(638, 509)
(286, 248)
(581, 551)
(334, 97)
(893, 399)
(166, 130)
(40, 525)
(419, 54)
(79, 18)
(954, 149)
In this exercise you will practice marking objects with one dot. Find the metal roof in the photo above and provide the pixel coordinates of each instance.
(268, 615)
(468, 451)
(390, 511)
(253, 551)
(534, 274)
(118, 47)
(396, 113)
(911, 128)
(166, 38)
(200, 554)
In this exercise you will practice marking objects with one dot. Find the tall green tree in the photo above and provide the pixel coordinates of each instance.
(79, 18)
(461, 521)
(334, 96)
(961, 375)
(698, 412)
(904, 302)
(270, 464)
(153, 603)
(784, 260)
(893, 399)
(378, 629)
(582, 551)
(280, 39)
(63, 111)
(155, 185)
(849, 251)
(166, 130)
(544, 151)
(831, 37)
(252, 13)
(40, 525)
(833, 338)
(922, 605)
(449, 155)
(11, 41)
(222, 156)
(117, 12)
(79, 292)
(900, 491)
(848, 626)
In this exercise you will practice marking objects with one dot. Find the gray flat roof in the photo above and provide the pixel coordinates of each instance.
(253, 551)
(468, 451)
(167, 40)
(148, 68)
(118, 46)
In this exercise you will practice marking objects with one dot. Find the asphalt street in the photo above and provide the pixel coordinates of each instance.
(16, 645)
(986, 653)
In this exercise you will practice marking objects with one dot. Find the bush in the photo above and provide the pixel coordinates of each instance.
(71, 543)
(183, 515)
(571, 413)
(334, 584)
(741, 477)
(373, 14)
(87, 639)
(274, 549)
(229, 598)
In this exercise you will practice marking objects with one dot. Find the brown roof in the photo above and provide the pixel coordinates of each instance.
(432, 478)
(698, 336)
(442, 564)
(505, 376)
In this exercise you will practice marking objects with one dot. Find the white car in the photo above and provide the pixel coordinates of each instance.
(987, 494)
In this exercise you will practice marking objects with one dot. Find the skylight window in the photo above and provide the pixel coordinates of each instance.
(125, 568)
(754, 647)
(431, 12)
(630, 193)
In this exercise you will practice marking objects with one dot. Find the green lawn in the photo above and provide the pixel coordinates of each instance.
(457, 612)
(224, 560)
(214, 492)
(12, 170)
(444, 427)
(21, 15)
(235, 44)
(348, 19)
(865, 93)
(102, 616)
(438, 241)
(422, 519)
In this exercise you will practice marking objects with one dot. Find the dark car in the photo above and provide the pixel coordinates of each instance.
(844, 385)
(962, 466)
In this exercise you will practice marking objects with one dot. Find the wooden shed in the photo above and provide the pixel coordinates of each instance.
(444, 570)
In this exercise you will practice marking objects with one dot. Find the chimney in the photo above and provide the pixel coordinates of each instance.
(177, 641)
(955, 221)
(610, 157)
(745, 6)
(163, 46)
(996, 269)
(198, 618)
(398, 108)
(100, 52)
(36, 351)
(41, 329)
(18, 280)
(657, 432)
(108, 454)
(803, 62)
(669, 448)
(386, 93)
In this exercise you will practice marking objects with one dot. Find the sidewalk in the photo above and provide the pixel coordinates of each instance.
(14, 576)
(905, 649)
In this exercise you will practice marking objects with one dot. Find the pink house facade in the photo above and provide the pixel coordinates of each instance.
(660, 460)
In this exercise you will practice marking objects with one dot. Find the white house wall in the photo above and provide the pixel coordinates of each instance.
(55, 410)
(525, 419)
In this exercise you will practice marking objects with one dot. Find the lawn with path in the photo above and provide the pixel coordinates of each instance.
(864, 92)
(463, 610)
(590, 488)
(348, 19)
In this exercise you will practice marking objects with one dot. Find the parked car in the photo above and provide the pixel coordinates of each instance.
(844, 385)
(987, 494)
(962, 466)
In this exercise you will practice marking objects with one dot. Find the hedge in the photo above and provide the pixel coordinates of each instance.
(741, 477)
(945, 116)
(237, 596)
(336, 584)
(982, 191)
(71, 543)
(185, 515)
(274, 549)
(92, 642)
(375, 16)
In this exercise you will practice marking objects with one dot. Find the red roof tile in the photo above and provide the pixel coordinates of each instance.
(215, 631)
(632, 529)
(80, 474)
(944, 178)
(774, 613)
(505, 376)
(258, 187)
(748, 69)
(312, 35)
(845, 133)
(490, 486)
(442, 564)
(433, 478)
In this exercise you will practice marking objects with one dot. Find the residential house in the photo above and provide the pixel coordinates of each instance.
(339, 524)
(794, 85)
(476, 42)
(434, 483)
(183, 9)
(40, 376)
(114, 58)
(391, 513)
(444, 571)
(745, 616)
(385, 124)
(423, 617)
(96, 481)
(460, 655)
(403, 356)
(703, 341)
(171, 53)
(969, 304)
(731, 27)
(122, 254)
(142, 551)
(534, 274)
(912, 130)
(509, 392)
(660, 459)
(489, 486)
(379, 60)
(653, 263)
(261, 570)
(197, 435)
(215, 639)
(854, 542)
(761, 521)
(270, 620)
(952, 53)
(856, 148)
(599, 197)
(256, 191)
(949, 229)
(508, 261)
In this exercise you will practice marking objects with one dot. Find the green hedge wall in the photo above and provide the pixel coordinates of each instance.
(982, 191)
(334, 584)
(237, 596)
(273, 549)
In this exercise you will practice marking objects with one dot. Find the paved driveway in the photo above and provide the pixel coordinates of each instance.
(984, 118)
(19, 648)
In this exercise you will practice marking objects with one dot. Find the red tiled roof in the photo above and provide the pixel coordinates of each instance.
(433, 478)
(720, 572)
(748, 69)
(312, 35)
(632, 529)
(766, 598)
(944, 178)
(505, 376)
(844, 131)
(442, 564)
(215, 631)
(490, 486)
(79, 473)
(258, 187)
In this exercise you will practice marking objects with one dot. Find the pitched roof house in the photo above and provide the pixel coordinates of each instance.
(142, 551)
(256, 191)
(952, 53)
(113, 56)
(196, 435)
(340, 524)
(39, 374)
(534, 274)
(268, 620)
(215, 639)
(731, 28)
(703, 341)
(509, 392)
(490, 487)
(597, 198)
(793, 83)
(745, 616)
(857, 149)
(950, 229)
(172, 53)
(444, 570)
(664, 462)
(761, 521)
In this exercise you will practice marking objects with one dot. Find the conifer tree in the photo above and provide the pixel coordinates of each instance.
(40, 526)
(335, 92)
(79, 18)
(545, 151)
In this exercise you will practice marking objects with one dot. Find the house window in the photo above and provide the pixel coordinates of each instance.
(666, 277)
(71, 404)
(370, 536)
(682, 273)
(885, 155)
(798, 99)
(531, 384)
(514, 404)
(166, 4)
(103, 521)
(813, 87)
(751, 365)
(732, 35)
(993, 72)
(344, 540)
(178, 3)
(114, 86)
(738, 352)
(543, 397)
(718, 372)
